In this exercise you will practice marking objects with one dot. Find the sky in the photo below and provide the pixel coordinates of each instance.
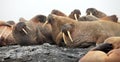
(14, 9)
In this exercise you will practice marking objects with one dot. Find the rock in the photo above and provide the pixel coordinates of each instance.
(41, 53)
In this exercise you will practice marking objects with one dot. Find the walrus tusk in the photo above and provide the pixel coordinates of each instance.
(91, 14)
(64, 38)
(75, 17)
(25, 31)
(68, 32)
(45, 23)
(3, 31)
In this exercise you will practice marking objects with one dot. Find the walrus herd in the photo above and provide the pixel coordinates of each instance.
(74, 30)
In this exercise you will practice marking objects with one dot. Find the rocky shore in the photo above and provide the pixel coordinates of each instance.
(41, 53)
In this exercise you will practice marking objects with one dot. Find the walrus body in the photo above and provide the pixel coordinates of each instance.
(83, 33)
(6, 37)
(102, 53)
(112, 18)
(32, 32)
(88, 18)
(101, 56)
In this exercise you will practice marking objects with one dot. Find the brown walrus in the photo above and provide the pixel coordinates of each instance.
(57, 12)
(32, 32)
(21, 19)
(82, 34)
(75, 14)
(102, 53)
(112, 18)
(115, 41)
(6, 37)
(95, 12)
(88, 18)
(11, 22)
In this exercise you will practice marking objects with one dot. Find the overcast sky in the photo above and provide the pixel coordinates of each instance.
(14, 9)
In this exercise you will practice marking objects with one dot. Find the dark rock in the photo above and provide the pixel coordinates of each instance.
(41, 53)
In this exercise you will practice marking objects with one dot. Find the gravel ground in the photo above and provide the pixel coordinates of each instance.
(41, 53)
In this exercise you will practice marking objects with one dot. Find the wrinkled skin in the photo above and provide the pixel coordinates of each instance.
(34, 32)
(6, 37)
(77, 12)
(95, 12)
(83, 34)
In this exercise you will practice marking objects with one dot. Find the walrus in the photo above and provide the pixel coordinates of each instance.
(32, 32)
(88, 18)
(102, 53)
(57, 12)
(75, 14)
(112, 18)
(21, 19)
(115, 41)
(11, 22)
(81, 34)
(6, 37)
(95, 12)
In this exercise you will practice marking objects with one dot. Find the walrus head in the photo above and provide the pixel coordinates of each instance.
(57, 12)
(59, 28)
(92, 11)
(105, 47)
(95, 12)
(39, 18)
(29, 32)
(75, 14)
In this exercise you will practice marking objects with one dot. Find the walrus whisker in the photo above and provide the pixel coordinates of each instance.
(68, 32)
(64, 38)
(75, 17)
(45, 23)
(24, 31)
